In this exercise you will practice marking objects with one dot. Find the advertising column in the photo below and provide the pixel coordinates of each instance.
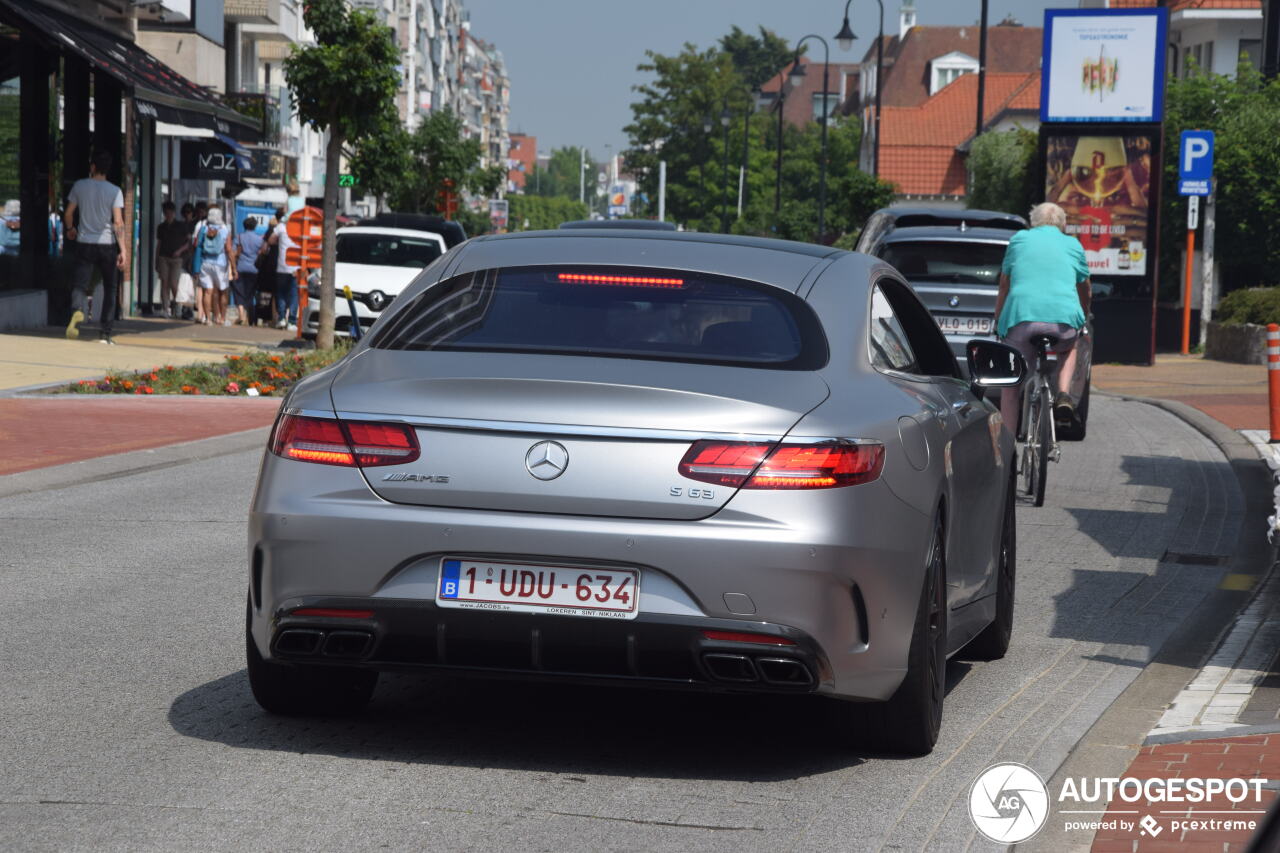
(1101, 108)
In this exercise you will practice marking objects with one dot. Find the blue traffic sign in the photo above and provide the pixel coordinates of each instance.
(1195, 162)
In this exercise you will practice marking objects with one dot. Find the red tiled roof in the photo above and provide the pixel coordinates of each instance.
(906, 61)
(1180, 5)
(918, 144)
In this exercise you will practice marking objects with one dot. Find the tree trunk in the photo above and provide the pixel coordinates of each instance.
(329, 246)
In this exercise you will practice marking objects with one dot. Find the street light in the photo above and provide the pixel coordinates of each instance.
(777, 103)
(845, 38)
(797, 78)
(725, 119)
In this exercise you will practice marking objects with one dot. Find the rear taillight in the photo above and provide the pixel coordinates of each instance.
(749, 465)
(349, 443)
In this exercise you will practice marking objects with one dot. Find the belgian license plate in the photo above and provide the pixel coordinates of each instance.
(558, 590)
(965, 325)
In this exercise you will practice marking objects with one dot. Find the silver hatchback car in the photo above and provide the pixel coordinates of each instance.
(663, 459)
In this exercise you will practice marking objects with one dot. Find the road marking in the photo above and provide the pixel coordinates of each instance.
(1237, 582)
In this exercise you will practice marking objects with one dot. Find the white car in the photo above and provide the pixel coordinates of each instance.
(376, 263)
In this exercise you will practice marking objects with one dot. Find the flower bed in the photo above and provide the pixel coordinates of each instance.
(253, 374)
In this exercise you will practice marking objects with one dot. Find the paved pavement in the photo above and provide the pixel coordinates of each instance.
(1233, 394)
(32, 358)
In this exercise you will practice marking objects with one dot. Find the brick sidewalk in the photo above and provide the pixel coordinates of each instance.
(1247, 757)
(35, 433)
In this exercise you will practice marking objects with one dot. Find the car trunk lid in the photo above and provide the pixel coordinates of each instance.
(574, 435)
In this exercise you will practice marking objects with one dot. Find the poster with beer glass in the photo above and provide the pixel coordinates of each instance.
(1103, 182)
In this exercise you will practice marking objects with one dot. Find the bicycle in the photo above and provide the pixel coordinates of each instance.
(1040, 440)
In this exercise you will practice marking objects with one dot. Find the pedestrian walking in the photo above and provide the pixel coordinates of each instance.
(245, 287)
(286, 285)
(171, 247)
(295, 201)
(98, 242)
(214, 255)
(1044, 290)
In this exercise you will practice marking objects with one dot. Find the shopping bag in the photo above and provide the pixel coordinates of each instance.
(186, 289)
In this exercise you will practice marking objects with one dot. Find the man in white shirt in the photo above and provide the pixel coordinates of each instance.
(97, 241)
(286, 280)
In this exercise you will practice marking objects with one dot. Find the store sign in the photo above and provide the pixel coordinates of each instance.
(207, 161)
(1103, 65)
(1103, 182)
(498, 211)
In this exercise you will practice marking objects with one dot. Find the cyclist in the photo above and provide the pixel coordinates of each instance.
(1044, 289)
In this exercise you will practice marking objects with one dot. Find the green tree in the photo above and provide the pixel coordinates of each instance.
(1002, 173)
(678, 120)
(756, 58)
(539, 213)
(560, 177)
(345, 84)
(1244, 113)
(410, 170)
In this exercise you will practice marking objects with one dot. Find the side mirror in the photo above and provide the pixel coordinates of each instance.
(994, 365)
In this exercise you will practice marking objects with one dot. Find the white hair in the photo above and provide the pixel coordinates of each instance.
(215, 216)
(1047, 213)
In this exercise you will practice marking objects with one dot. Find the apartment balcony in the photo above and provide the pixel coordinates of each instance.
(251, 11)
(270, 108)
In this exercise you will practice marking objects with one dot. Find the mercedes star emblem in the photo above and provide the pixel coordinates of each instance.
(953, 301)
(546, 460)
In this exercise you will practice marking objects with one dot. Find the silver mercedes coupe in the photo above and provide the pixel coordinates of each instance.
(640, 457)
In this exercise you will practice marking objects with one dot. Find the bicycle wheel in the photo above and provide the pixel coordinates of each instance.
(1030, 438)
(1044, 441)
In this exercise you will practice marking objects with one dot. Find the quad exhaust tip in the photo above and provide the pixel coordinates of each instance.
(311, 642)
(781, 672)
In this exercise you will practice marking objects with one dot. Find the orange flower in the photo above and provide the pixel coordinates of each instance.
(276, 359)
(147, 389)
(154, 376)
(127, 385)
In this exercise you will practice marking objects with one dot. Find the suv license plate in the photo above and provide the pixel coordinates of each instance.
(965, 325)
(558, 590)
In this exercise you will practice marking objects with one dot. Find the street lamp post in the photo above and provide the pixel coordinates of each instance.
(797, 77)
(725, 119)
(845, 39)
(746, 148)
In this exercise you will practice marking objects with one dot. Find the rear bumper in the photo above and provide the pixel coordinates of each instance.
(654, 650)
(841, 580)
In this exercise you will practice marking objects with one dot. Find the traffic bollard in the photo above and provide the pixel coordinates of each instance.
(1273, 377)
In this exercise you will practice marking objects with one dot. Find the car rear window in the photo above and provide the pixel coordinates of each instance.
(974, 263)
(387, 250)
(612, 312)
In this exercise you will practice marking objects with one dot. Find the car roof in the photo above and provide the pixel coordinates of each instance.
(613, 224)
(916, 216)
(452, 232)
(952, 233)
(390, 232)
(811, 250)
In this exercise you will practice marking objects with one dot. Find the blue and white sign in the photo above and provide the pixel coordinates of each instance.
(1103, 65)
(1195, 162)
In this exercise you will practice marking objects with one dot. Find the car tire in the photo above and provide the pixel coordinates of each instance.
(1075, 430)
(293, 691)
(993, 642)
(910, 721)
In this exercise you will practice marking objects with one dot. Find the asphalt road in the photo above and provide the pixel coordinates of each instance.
(128, 723)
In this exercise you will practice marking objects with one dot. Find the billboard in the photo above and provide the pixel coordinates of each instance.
(1103, 182)
(1103, 65)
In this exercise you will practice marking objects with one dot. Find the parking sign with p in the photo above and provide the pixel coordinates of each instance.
(1195, 162)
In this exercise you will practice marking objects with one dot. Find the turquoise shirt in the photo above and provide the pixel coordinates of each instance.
(1044, 266)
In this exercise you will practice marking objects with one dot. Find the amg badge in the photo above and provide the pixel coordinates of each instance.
(400, 476)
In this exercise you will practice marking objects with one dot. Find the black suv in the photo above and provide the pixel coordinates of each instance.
(952, 258)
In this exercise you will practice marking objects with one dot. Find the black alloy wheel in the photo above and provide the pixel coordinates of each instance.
(910, 721)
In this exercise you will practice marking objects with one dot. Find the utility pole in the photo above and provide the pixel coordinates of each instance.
(1207, 278)
(662, 190)
(1270, 38)
(582, 180)
(982, 66)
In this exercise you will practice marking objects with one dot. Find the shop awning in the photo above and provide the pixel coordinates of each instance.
(158, 91)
